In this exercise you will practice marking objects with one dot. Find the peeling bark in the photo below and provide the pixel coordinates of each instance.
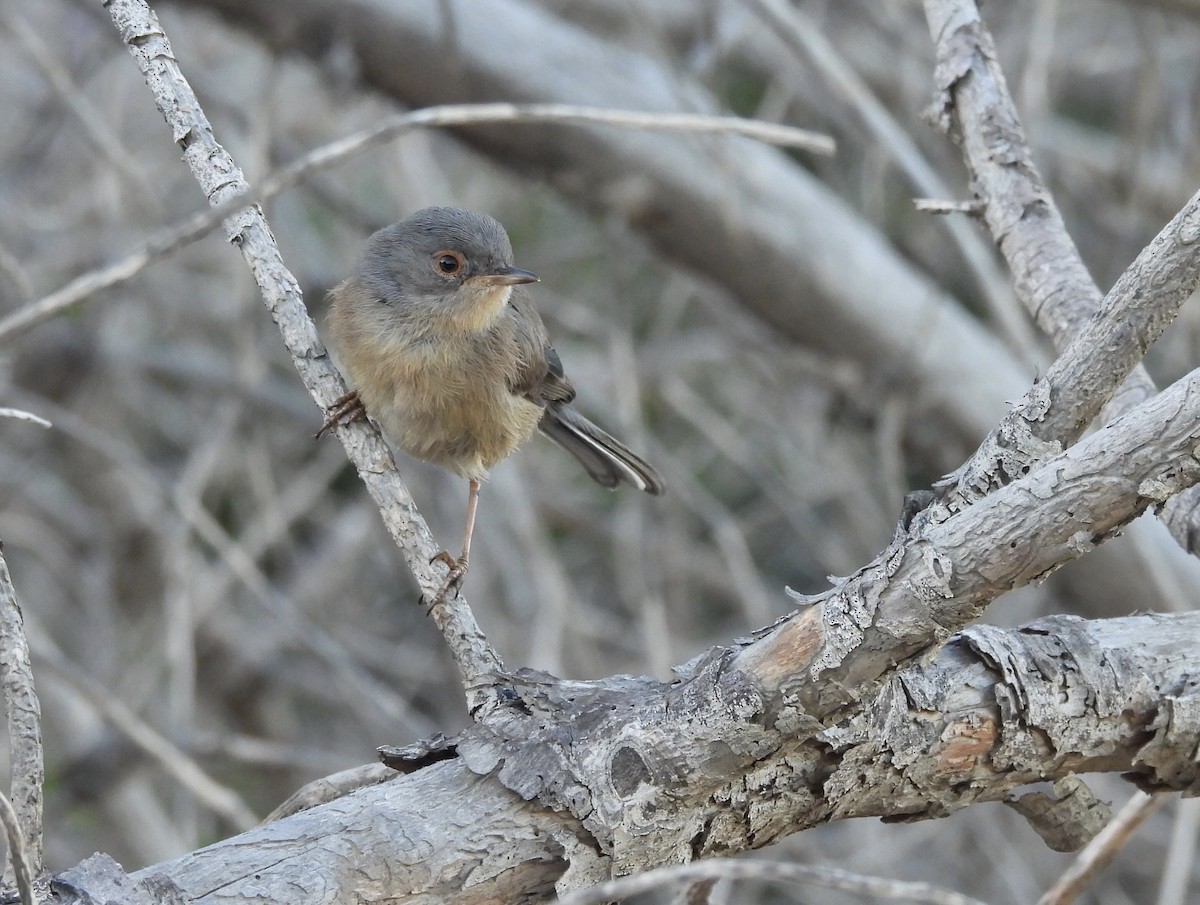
(643, 773)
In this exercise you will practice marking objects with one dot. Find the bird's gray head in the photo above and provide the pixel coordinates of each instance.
(443, 261)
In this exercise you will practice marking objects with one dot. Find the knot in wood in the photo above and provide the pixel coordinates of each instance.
(627, 770)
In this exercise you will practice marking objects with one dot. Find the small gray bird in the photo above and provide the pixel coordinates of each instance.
(446, 352)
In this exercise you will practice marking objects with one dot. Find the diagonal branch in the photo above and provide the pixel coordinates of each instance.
(200, 224)
(939, 575)
(1055, 412)
(220, 178)
(974, 105)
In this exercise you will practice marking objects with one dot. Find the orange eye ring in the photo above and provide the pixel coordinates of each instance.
(449, 263)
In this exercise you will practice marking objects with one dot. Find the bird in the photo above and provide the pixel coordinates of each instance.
(444, 349)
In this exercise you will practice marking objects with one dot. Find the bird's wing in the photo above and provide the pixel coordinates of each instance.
(539, 377)
(555, 385)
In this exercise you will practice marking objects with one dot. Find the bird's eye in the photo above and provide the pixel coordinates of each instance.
(448, 263)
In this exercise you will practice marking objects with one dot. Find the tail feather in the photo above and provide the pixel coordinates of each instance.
(605, 458)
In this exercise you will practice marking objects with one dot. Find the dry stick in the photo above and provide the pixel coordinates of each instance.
(22, 415)
(973, 102)
(24, 732)
(222, 181)
(198, 225)
(770, 871)
(16, 848)
(1098, 853)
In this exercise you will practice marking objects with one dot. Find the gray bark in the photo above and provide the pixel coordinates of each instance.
(639, 773)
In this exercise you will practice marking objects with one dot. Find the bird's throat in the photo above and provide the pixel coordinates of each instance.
(479, 310)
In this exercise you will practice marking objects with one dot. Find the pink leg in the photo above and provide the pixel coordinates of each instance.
(458, 567)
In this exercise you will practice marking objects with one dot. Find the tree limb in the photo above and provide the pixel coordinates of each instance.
(993, 710)
(973, 104)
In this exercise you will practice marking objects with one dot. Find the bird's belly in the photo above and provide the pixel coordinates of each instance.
(464, 419)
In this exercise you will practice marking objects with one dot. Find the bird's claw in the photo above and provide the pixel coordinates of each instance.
(454, 580)
(345, 410)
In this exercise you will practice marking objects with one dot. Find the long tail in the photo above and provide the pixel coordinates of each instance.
(606, 459)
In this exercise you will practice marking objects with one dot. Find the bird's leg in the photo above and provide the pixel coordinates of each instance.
(345, 410)
(458, 567)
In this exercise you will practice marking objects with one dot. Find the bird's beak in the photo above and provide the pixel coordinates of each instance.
(505, 276)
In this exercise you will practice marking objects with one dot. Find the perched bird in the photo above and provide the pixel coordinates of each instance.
(445, 351)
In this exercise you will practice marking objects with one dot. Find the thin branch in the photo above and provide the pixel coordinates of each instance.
(329, 788)
(941, 206)
(329, 155)
(1055, 412)
(1098, 853)
(771, 872)
(22, 415)
(83, 287)
(24, 713)
(17, 851)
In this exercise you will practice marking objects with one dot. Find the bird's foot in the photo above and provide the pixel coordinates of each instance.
(345, 410)
(454, 580)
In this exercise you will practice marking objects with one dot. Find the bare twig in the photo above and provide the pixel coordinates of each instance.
(17, 851)
(1098, 853)
(200, 224)
(940, 206)
(158, 246)
(21, 415)
(329, 788)
(24, 732)
(768, 871)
